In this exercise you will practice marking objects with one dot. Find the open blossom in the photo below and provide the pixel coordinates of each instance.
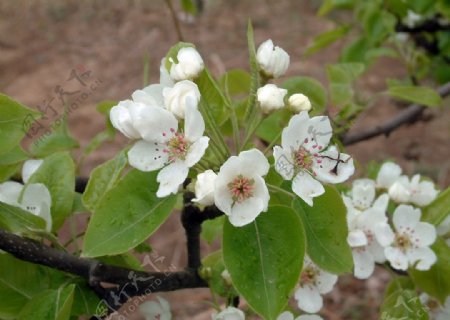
(229, 313)
(204, 188)
(420, 193)
(177, 97)
(189, 65)
(34, 198)
(272, 60)
(314, 282)
(240, 191)
(299, 102)
(306, 158)
(156, 310)
(408, 245)
(270, 97)
(388, 174)
(164, 146)
(287, 315)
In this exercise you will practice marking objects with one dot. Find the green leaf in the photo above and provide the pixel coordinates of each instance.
(436, 281)
(211, 271)
(355, 51)
(14, 156)
(58, 140)
(264, 259)
(326, 231)
(85, 301)
(57, 173)
(403, 304)
(271, 126)
(15, 121)
(323, 40)
(420, 95)
(378, 24)
(237, 82)
(102, 179)
(329, 5)
(439, 209)
(50, 304)
(16, 219)
(212, 229)
(341, 77)
(188, 6)
(126, 215)
(311, 88)
(124, 260)
(6, 172)
(77, 206)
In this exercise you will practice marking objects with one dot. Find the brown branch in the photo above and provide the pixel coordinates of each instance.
(406, 116)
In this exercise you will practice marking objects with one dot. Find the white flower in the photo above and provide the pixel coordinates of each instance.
(121, 118)
(29, 168)
(34, 198)
(204, 188)
(412, 19)
(418, 192)
(240, 191)
(151, 95)
(270, 97)
(229, 313)
(189, 65)
(181, 94)
(304, 158)
(164, 147)
(409, 244)
(156, 310)
(299, 102)
(289, 316)
(436, 311)
(388, 174)
(314, 282)
(272, 60)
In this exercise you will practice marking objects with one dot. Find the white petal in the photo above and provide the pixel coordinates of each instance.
(246, 212)
(286, 316)
(170, 178)
(400, 190)
(30, 167)
(364, 264)
(357, 238)
(363, 193)
(377, 251)
(422, 258)
(325, 281)
(37, 200)
(335, 167)
(194, 125)
(254, 161)
(309, 299)
(388, 174)
(425, 234)
(381, 202)
(309, 317)
(121, 119)
(306, 187)
(10, 192)
(397, 258)
(384, 234)
(425, 195)
(371, 218)
(260, 191)
(147, 156)
(164, 78)
(294, 135)
(196, 151)
(204, 188)
(406, 216)
(283, 163)
(153, 123)
(319, 129)
(222, 196)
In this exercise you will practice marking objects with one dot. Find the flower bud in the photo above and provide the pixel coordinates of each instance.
(270, 97)
(204, 188)
(121, 119)
(226, 277)
(189, 65)
(299, 102)
(272, 60)
(399, 192)
(176, 98)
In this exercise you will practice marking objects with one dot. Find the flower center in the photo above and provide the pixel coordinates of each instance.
(308, 276)
(403, 242)
(177, 147)
(303, 159)
(241, 188)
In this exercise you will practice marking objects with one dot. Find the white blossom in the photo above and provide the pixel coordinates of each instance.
(181, 94)
(388, 174)
(204, 188)
(270, 97)
(189, 66)
(156, 310)
(229, 313)
(121, 118)
(408, 245)
(306, 158)
(436, 311)
(314, 282)
(29, 168)
(287, 315)
(272, 60)
(420, 193)
(299, 102)
(240, 191)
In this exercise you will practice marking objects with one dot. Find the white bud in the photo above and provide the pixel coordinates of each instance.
(227, 277)
(30, 167)
(176, 98)
(204, 188)
(388, 174)
(270, 97)
(229, 313)
(399, 192)
(299, 102)
(121, 119)
(272, 60)
(189, 65)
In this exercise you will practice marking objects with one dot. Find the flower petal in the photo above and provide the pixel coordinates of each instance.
(287, 315)
(147, 156)
(381, 202)
(196, 151)
(306, 187)
(406, 216)
(364, 264)
(325, 281)
(151, 95)
(357, 238)
(423, 258)
(425, 195)
(425, 234)
(294, 135)
(30, 167)
(319, 129)
(388, 174)
(260, 191)
(254, 161)
(397, 258)
(283, 163)
(194, 125)
(37, 200)
(246, 212)
(309, 299)
(363, 193)
(335, 167)
(121, 119)
(384, 234)
(10, 192)
(170, 178)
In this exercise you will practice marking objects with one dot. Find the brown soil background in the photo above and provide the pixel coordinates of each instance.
(42, 41)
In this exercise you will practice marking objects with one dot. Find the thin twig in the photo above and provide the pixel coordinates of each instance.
(175, 20)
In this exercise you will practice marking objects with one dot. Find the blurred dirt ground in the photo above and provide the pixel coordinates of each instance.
(41, 42)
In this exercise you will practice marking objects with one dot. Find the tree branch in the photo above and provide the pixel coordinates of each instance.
(406, 116)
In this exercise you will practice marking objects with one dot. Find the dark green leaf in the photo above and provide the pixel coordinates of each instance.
(439, 209)
(420, 95)
(323, 40)
(17, 220)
